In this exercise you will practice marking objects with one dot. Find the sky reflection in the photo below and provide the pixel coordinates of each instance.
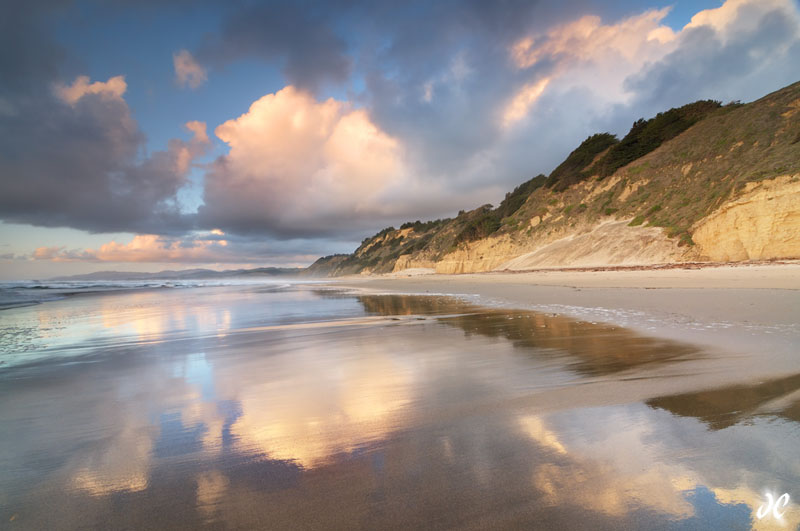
(424, 411)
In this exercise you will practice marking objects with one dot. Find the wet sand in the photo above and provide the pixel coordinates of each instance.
(308, 408)
(752, 312)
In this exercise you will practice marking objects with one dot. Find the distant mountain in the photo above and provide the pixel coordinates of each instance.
(189, 274)
(702, 182)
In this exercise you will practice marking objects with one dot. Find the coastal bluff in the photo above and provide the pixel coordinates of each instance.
(702, 182)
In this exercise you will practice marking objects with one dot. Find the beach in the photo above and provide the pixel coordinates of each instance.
(479, 401)
(748, 309)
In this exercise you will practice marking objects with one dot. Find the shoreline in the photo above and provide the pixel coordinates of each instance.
(750, 314)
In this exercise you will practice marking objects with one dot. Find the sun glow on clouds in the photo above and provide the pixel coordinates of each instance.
(523, 100)
(143, 248)
(588, 53)
(583, 47)
(728, 16)
(114, 88)
(587, 39)
(295, 162)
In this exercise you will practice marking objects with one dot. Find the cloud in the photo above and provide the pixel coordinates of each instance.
(114, 88)
(199, 130)
(523, 100)
(296, 165)
(587, 53)
(188, 72)
(73, 157)
(212, 247)
(740, 50)
(635, 39)
(47, 253)
(142, 248)
(71, 153)
(152, 248)
(298, 37)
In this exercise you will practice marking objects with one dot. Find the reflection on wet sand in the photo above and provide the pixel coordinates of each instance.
(379, 423)
(598, 349)
(722, 408)
(326, 407)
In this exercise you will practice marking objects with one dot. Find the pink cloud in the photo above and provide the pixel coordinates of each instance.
(114, 88)
(294, 160)
(143, 248)
(188, 72)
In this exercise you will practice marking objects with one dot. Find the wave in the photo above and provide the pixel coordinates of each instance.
(29, 292)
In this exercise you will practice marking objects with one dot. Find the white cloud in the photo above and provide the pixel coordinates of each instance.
(188, 72)
(736, 15)
(587, 55)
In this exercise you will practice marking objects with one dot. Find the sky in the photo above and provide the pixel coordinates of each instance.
(148, 135)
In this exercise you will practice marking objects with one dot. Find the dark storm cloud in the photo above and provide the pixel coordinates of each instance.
(73, 164)
(27, 55)
(78, 166)
(297, 35)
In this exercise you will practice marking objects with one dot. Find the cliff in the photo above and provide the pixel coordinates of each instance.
(703, 182)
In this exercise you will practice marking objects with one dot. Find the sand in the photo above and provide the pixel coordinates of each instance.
(751, 312)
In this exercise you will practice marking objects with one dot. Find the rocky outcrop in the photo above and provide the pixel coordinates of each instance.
(761, 224)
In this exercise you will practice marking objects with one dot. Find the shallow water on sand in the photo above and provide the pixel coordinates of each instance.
(282, 407)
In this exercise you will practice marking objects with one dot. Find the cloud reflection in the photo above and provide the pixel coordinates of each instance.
(324, 401)
(380, 423)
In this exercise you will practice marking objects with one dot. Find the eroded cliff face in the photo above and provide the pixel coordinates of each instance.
(406, 261)
(482, 255)
(761, 224)
(609, 243)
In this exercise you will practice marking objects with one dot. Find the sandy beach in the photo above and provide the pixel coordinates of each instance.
(749, 311)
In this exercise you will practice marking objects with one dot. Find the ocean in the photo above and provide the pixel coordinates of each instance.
(280, 404)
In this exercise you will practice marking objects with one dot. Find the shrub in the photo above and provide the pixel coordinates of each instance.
(489, 221)
(575, 168)
(638, 220)
(647, 135)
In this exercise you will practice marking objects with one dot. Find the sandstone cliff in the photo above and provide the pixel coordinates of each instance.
(763, 223)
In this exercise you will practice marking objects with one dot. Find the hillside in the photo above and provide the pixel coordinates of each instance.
(703, 182)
